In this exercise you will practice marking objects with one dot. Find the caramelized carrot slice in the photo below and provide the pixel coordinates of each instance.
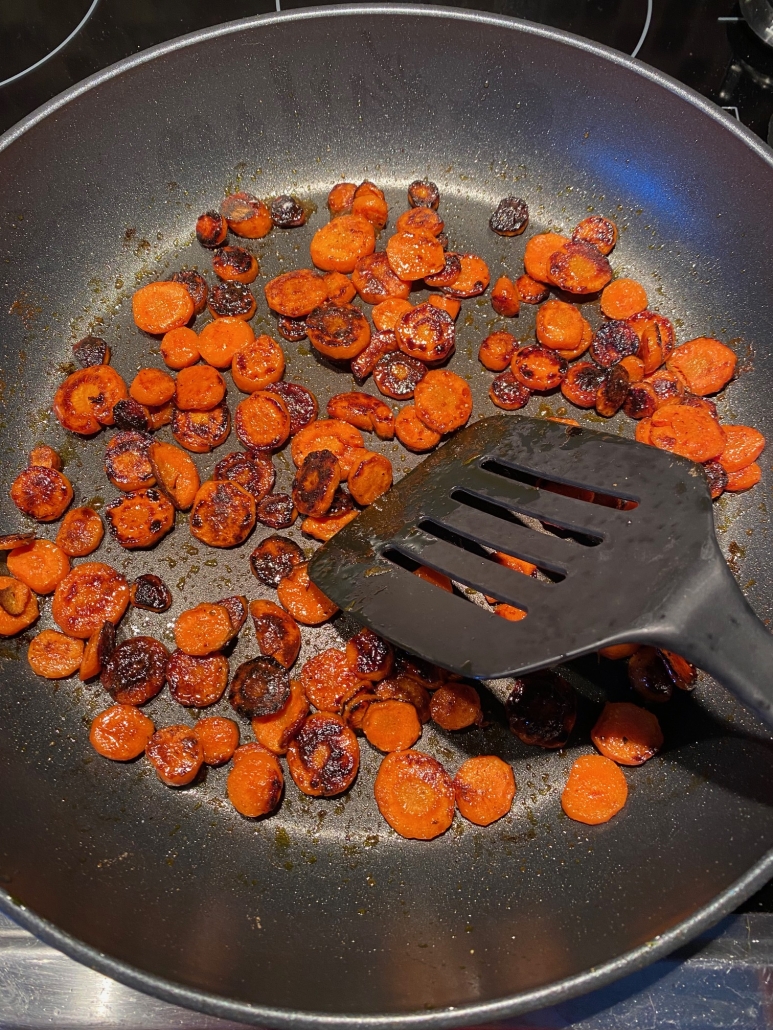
(472, 280)
(176, 755)
(276, 631)
(175, 473)
(369, 202)
(375, 281)
(450, 305)
(626, 733)
(338, 331)
(484, 788)
(262, 421)
(412, 433)
(536, 258)
(276, 732)
(296, 294)
(324, 757)
(140, 519)
(363, 411)
(85, 400)
(329, 434)
(538, 368)
(391, 725)
(744, 479)
(41, 565)
(46, 457)
(340, 198)
(691, 432)
(623, 298)
(80, 533)
(370, 476)
(455, 706)
(743, 446)
(199, 388)
(530, 291)
(42, 493)
(420, 219)
(595, 791)
(121, 733)
(219, 739)
(600, 231)
(255, 783)
(560, 325)
(385, 315)
(223, 513)
(203, 630)
(340, 288)
(582, 346)
(338, 246)
(162, 306)
(303, 600)
(53, 655)
(504, 297)
(706, 365)
(579, 268)
(327, 680)
(415, 795)
(152, 387)
(443, 401)
(12, 623)
(414, 255)
(246, 215)
(220, 340)
(88, 596)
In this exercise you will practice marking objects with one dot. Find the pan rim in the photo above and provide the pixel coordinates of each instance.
(473, 1013)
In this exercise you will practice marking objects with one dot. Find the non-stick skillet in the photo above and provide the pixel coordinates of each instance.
(320, 916)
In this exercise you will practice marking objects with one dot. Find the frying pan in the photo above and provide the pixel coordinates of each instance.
(320, 916)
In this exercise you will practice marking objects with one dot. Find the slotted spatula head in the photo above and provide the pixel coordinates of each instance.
(619, 567)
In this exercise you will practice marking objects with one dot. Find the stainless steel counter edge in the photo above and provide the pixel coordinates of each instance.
(723, 979)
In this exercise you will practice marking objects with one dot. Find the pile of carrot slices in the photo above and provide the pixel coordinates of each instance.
(356, 303)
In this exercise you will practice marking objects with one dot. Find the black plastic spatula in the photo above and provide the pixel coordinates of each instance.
(638, 563)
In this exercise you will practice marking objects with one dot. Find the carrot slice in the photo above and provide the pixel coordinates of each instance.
(484, 788)
(340, 198)
(199, 388)
(530, 291)
(616, 652)
(121, 733)
(338, 331)
(363, 411)
(175, 754)
(80, 533)
(328, 434)
(744, 445)
(161, 306)
(276, 732)
(386, 314)
(53, 655)
(11, 624)
(391, 725)
(691, 432)
(745, 479)
(705, 364)
(303, 600)
(276, 631)
(375, 281)
(420, 219)
(450, 305)
(42, 493)
(262, 421)
(443, 400)
(585, 342)
(340, 288)
(509, 612)
(634, 367)
(219, 739)
(234, 264)
(41, 565)
(327, 680)
(255, 783)
(338, 246)
(627, 734)
(203, 630)
(324, 757)
(539, 250)
(175, 473)
(504, 297)
(538, 368)
(455, 706)
(14, 597)
(623, 298)
(415, 795)
(412, 433)
(223, 513)
(85, 400)
(296, 294)
(220, 340)
(246, 215)
(370, 476)
(369, 202)
(600, 231)
(472, 280)
(414, 255)
(579, 267)
(87, 596)
(258, 364)
(560, 326)
(595, 791)
(152, 387)
(46, 457)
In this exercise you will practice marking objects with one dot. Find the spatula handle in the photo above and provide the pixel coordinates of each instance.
(720, 633)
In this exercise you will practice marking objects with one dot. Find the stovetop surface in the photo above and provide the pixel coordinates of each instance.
(46, 47)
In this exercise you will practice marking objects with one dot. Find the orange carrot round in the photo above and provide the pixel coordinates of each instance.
(161, 306)
(484, 788)
(220, 340)
(391, 725)
(706, 365)
(623, 298)
(595, 791)
(415, 795)
(41, 565)
(742, 447)
(121, 733)
(152, 387)
(53, 655)
(627, 733)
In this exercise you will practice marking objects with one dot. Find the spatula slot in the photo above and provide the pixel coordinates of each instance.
(553, 484)
(586, 539)
(468, 543)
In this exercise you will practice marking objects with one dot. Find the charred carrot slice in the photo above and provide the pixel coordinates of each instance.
(219, 341)
(140, 519)
(538, 368)
(412, 433)
(126, 461)
(328, 681)
(161, 306)
(472, 280)
(197, 681)
(329, 434)
(414, 255)
(152, 387)
(595, 791)
(626, 733)
(340, 198)
(691, 432)
(196, 285)
(579, 268)
(316, 482)
(375, 281)
(530, 291)
(324, 757)
(87, 596)
(338, 331)
(223, 513)
(559, 325)
(420, 219)
(41, 565)
(484, 788)
(200, 388)
(648, 321)
(16, 616)
(135, 671)
(455, 706)
(427, 333)
(42, 493)
(304, 601)
(176, 755)
(443, 401)
(85, 400)
(276, 631)
(219, 739)
(276, 732)
(80, 533)
(175, 473)
(507, 393)
(706, 365)
(600, 231)
(255, 783)
(370, 476)
(539, 250)
(234, 264)
(211, 229)
(743, 446)
(504, 297)
(391, 725)
(386, 313)
(369, 202)
(246, 215)
(623, 298)
(340, 288)
(262, 421)
(121, 733)
(99, 647)
(338, 246)
(53, 655)
(301, 403)
(415, 795)
(296, 294)
(369, 656)
(201, 431)
(634, 367)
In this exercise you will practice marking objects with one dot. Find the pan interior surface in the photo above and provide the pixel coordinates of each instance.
(321, 908)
